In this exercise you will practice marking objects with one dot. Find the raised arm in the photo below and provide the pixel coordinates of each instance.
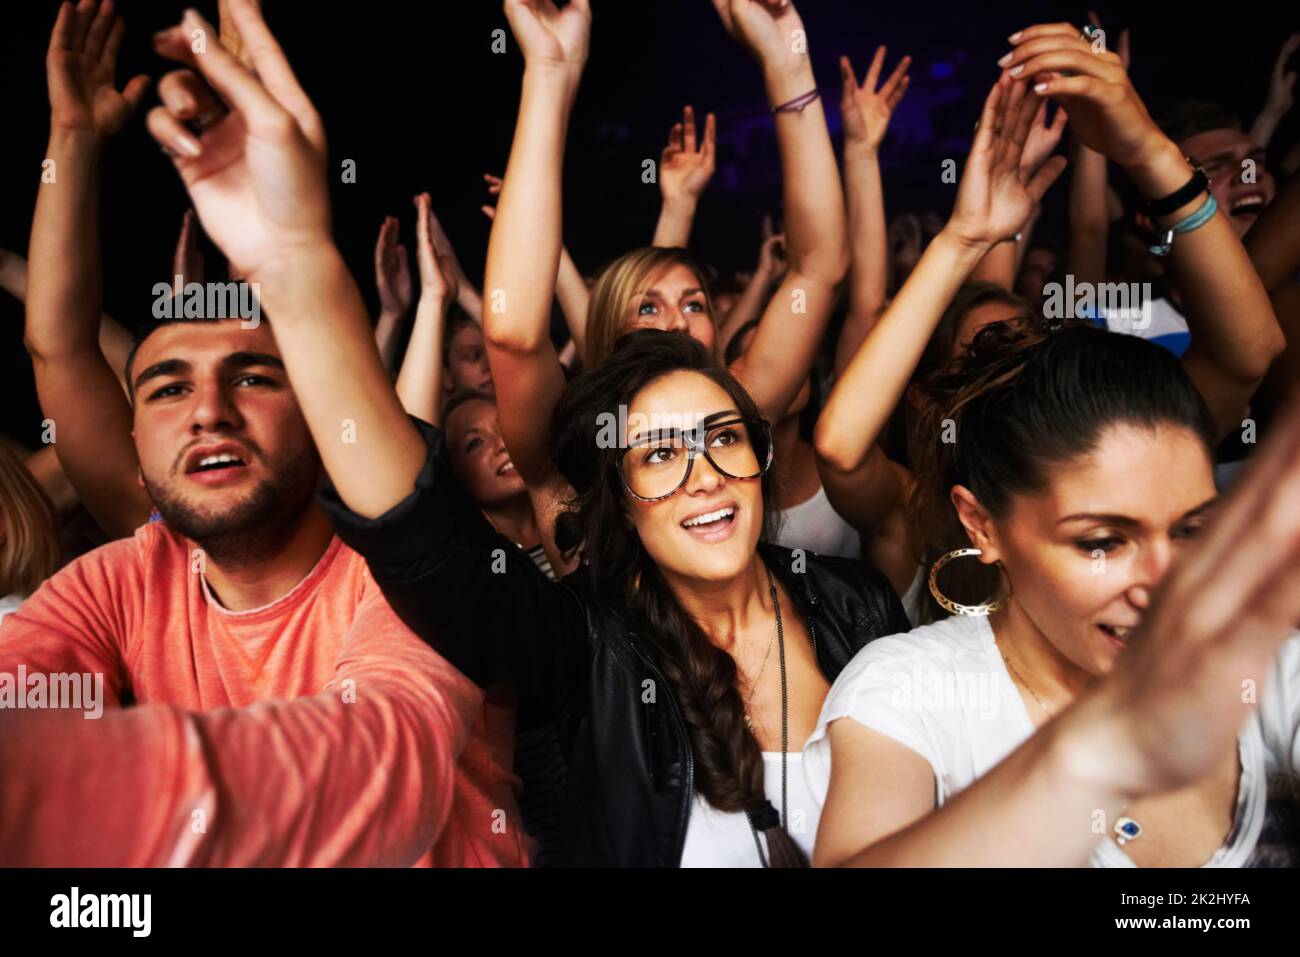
(1281, 94)
(256, 177)
(419, 384)
(1160, 721)
(78, 389)
(1274, 247)
(866, 112)
(995, 197)
(777, 362)
(1235, 335)
(749, 304)
(393, 279)
(684, 172)
(524, 249)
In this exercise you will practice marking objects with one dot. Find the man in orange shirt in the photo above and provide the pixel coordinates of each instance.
(284, 715)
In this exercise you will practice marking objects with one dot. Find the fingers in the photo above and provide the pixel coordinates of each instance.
(1044, 30)
(112, 43)
(171, 134)
(494, 183)
(85, 16)
(233, 82)
(896, 79)
(64, 34)
(134, 91)
(186, 96)
(688, 126)
(98, 31)
(873, 71)
(1125, 56)
(1047, 174)
(984, 128)
(709, 150)
(272, 65)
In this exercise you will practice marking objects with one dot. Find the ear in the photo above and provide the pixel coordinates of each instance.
(978, 524)
(139, 478)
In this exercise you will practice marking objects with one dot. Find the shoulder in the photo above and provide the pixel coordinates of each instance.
(850, 591)
(948, 646)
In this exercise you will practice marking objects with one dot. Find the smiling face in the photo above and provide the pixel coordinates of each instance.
(708, 530)
(222, 444)
(1223, 154)
(467, 363)
(478, 454)
(1084, 554)
(672, 300)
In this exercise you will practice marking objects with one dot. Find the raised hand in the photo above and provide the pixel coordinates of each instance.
(256, 172)
(771, 258)
(1043, 138)
(764, 27)
(79, 67)
(866, 110)
(392, 270)
(187, 261)
(1106, 112)
(1281, 88)
(684, 170)
(998, 192)
(550, 35)
(437, 273)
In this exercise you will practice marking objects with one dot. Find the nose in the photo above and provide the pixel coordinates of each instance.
(1149, 569)
(704, 478)
(214, 409)
(677, 321)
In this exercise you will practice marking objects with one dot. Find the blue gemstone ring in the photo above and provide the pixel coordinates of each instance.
(1127, 829)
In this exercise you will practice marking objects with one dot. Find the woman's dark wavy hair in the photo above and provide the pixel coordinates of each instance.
(728, 760)
(1023, 400)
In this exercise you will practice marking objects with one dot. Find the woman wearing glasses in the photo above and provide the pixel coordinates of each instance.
(685, 660)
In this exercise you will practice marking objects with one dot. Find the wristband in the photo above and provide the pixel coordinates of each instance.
(1195, 221)
(1199, 183)
(798, 103)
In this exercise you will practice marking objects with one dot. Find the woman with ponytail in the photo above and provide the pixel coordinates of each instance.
(1088, 699)
(685, 659)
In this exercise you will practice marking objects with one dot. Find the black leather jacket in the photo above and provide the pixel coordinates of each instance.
(484, 606)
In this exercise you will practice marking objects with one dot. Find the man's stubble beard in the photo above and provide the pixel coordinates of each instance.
(253, 529)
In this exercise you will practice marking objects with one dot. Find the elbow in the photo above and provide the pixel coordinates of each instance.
(514, 342)
(831, 448)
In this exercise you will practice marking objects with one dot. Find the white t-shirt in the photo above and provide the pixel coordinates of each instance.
(9, 604)
(816, 527)
(723, 838)
(944, 692)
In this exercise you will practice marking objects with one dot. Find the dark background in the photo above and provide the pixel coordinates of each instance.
(412, 92)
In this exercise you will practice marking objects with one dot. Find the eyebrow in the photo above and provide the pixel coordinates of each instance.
(236, 360)
(1109, 518)
(694, 290)
(707, 422)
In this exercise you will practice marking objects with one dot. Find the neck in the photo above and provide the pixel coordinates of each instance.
(515, 519)
(1048, 673)
(257, 580)
(726, 610)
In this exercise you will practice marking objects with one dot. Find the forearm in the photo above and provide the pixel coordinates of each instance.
(1273, 243)
(571, 291)
(1089, 218)
(419, 384)
(366, 441)
(749, 304)
(998, 266)
(1265, 125)
(869, 270)
(815, 231)
(877, 376)
(387, 329)
(676, 216)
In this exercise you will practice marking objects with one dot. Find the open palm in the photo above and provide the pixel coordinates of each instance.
(79, 67)
(548, 34)
(997, 194)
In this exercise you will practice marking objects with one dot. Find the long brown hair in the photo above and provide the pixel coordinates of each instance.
(729, 769)
(29, 538)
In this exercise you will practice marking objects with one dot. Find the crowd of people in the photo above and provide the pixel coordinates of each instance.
(926, 543)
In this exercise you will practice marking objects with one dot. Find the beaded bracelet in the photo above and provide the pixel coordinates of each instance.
(1195, 221)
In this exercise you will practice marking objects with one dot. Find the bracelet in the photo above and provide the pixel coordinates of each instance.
(1199, 183)
(1195, 221)
(798, 103)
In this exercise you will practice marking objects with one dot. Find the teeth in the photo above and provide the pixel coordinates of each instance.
(708, 517)
(218, 459)
(1249, 202)
(508, 467)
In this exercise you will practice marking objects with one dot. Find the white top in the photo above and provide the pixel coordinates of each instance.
(944, 692)
(723, 838)
(816, 527)
(9, 604)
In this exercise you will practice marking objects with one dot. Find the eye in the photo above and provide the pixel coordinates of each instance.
(1189, 530)
(253, 378)
(695, 305)
(473, 444)
(646, 309)
(167, 392)
(729, 436)
(660, 455)
(1106, 545)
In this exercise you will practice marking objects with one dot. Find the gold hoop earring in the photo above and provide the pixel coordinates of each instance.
(947, 603)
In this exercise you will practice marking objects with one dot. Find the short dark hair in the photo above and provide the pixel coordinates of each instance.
(464, 397)
(1190, 117)
(148, 329)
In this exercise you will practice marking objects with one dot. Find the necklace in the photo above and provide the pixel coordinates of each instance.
(1020, 678)
(785, 719)
(749, 698)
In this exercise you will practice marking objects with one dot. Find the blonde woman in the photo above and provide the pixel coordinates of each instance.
(29, 540)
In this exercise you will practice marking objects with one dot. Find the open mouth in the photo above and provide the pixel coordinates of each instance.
(1251, 205)
(507, 468)
(714, 525)
(1117, 634)
(210, 466)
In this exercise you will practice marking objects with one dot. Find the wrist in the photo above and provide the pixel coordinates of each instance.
(309, 263)
(968, 249)
(787, 79)
(679, 204)
(1159, 169)
(861, 149)
(77, 140)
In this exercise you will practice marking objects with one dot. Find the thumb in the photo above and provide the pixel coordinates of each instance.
(134, 91)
